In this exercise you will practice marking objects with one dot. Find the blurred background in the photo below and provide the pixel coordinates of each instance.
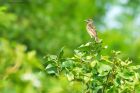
(30, 29)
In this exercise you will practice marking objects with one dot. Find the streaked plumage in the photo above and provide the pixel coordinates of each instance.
(91, 29)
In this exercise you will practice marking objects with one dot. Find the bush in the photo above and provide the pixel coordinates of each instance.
(98, 73)
(22, 72)
(89, 70)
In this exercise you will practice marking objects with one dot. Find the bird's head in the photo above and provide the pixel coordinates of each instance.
(89, 21)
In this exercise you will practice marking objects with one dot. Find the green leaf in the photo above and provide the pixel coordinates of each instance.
(87, 77)
(60, 54)
(67, 63)
(106, 58)
(117, 81)
(78, 54)
(51, 69)
(103, 69)
(93, 63)
(135, 67)
(97, 89)
(126, 74)
(70, 76)
(49, 66)
(112, 89)
(51, 58)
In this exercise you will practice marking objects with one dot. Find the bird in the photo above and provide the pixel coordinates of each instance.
(91, 29)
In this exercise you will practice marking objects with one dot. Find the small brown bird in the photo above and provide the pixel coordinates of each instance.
(91, 29)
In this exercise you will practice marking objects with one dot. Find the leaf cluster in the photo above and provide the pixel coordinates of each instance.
(98, 73)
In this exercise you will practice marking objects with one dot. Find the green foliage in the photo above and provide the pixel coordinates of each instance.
(36, 26)
(32, 28)
(98, 73)
(61, 22)
(22, 72)
(15, 64)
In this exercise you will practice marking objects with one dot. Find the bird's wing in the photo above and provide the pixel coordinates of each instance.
(92, 30)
